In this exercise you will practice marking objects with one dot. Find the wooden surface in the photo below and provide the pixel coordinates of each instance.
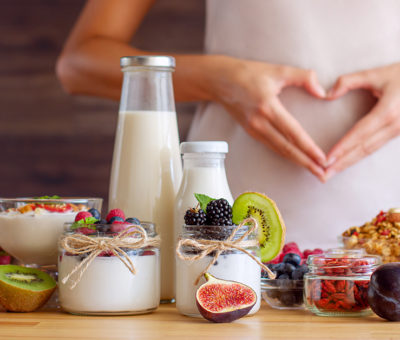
(166, 323)
(53, 143)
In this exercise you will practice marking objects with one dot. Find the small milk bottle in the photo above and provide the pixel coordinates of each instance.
(203, 173)
(146, 169)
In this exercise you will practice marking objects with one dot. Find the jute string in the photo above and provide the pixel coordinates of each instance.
(79, 244)
(206, 247)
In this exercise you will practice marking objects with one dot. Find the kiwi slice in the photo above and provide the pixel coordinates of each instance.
(272, 230)
(24, 289)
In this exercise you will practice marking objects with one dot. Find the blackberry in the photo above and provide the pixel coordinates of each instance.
(195, 216)
(219, 212)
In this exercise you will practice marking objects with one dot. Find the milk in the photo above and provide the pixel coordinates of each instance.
(145, 176)
(203, 173)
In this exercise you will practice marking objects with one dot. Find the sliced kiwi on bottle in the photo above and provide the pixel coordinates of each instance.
(271, 228)
(24, 289)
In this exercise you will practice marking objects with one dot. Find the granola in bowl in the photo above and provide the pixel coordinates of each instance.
(381, 236)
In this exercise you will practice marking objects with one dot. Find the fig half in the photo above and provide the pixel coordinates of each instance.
(224, 301)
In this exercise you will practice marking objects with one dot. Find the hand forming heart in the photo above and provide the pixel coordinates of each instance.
(249, 91)
(377, 127)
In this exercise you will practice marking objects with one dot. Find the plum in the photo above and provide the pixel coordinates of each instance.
(384, 291)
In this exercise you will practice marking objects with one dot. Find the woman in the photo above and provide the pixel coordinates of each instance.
(259, 81)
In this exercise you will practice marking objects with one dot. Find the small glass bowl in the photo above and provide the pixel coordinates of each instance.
(283, 293)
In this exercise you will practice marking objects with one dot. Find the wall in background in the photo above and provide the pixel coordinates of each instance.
(53, 143)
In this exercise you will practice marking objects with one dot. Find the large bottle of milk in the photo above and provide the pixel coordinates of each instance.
(203, 173)
(146, 168)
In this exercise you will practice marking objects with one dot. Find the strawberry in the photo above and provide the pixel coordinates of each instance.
(82, 215)
(115, 212)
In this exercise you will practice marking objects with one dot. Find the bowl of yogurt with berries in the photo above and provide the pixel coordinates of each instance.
(30, 227)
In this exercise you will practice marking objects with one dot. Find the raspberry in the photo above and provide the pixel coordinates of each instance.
(118, 227)
(5, 259)
(115, 212)
(82, 215)
(195, 216)
(85, 231)
(219, 212)
(289, 247)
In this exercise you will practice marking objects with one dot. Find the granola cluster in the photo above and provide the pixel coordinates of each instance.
(381, 236)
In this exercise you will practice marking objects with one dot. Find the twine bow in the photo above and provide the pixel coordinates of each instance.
(134, 237)
(206, 247)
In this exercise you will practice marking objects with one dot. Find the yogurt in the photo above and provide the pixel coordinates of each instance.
(108, 287)
(231, 266)
(32, 237)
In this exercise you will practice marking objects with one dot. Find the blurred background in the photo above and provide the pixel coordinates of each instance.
(52, 143)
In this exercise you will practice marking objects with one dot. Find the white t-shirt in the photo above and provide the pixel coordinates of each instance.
(333, 38)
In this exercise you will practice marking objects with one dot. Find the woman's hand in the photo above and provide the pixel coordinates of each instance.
(249, 91)
(376, 128)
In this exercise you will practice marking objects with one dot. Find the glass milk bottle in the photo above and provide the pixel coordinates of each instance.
(146, 169)
(203, 173)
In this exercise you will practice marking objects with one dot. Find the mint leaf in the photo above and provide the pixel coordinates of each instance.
(82, 223)
(203, 200)
(54, 197)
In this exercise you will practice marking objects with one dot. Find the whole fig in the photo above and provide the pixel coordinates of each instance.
(384, 291)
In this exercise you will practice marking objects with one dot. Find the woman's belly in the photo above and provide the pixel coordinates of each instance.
(315, 213)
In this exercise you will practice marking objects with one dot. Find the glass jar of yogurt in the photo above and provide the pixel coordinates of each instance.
(107, 286)
(232, 265)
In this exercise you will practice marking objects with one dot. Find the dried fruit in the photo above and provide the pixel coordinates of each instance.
(224, 301)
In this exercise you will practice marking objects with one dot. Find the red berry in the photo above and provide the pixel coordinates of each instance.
(117, 227)
(5, 259)
(82, 215)
(115, 212)
(289, 247)
(106, 253)
(85, 231)
(318, 251)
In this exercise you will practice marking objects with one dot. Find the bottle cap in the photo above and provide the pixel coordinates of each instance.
(204, 147)
(148, 61)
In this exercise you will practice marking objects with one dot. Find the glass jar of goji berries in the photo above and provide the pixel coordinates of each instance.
(337, 283)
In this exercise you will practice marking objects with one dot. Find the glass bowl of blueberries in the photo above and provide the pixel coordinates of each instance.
(286, 290)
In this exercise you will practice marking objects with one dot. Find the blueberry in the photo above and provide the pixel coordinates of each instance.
(280, 268)
(283, 276)
(132, 220)
(102, 221)
(288, 299)
(273, 293)
(95, 213)
(289, 269)
(103, 228)
(297, 274)
(116, 218)
(292, 258)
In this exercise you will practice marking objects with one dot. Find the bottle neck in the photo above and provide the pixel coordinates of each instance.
(147, 89)
(204, 160)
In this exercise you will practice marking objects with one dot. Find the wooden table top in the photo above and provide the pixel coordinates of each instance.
(166, 323)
